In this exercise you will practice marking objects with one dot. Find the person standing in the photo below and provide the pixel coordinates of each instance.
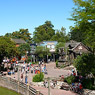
(22, 77)
(26, 79)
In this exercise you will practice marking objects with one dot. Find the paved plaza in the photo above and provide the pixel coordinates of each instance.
(52, 72)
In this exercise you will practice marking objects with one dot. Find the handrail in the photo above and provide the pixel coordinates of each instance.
(20, 87)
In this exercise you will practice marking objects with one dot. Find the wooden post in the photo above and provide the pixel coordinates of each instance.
(18, 73)
(47, 58)
(27, 89)
(48, 86)
(38, 92)
(8, 82)
(18, 87)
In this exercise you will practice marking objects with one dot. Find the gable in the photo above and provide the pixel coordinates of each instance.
(80, 48)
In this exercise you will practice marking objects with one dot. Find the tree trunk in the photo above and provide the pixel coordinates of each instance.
(1, 60)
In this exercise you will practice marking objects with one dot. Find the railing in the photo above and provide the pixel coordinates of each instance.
(20, 87)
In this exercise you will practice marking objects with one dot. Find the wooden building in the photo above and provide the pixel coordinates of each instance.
(72, 50)
(18, 41)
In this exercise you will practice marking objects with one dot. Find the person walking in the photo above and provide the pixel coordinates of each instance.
(22, 77)
(26, 79)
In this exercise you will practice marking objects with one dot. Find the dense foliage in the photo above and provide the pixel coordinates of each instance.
(60, 45)
(57, 63)
(42, 51)
(23, 49)
(43, 32)
(83, 15)
(7, 48)
(69, 79)
(38, 77)
(60, 35)
(85, 64)
(21, 34)
(88, 83)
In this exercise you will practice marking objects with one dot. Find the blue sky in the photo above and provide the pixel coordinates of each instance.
(17, 14)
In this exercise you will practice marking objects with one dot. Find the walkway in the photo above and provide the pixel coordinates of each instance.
(52, 72)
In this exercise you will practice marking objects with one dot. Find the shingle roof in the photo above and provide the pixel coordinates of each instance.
(72, 44)
(18, 41)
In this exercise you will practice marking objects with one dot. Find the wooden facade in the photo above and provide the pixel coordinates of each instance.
(73, 50)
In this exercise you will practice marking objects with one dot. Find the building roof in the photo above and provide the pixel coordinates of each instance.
(18, 41)
(73, 44)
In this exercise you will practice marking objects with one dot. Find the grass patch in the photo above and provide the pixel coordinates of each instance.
(5, 91)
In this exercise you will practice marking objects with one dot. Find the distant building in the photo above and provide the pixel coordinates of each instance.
(49, 44)
(18, 41)
(32, 52)
(77, 47)
(73, 49)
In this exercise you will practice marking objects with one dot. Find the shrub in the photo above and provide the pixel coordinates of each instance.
(28, 59)
(69, 79)
(57, 63)
(33, 62)
(38, 77)
(88, 83)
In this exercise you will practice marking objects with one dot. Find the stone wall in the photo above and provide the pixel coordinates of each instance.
(20, 87)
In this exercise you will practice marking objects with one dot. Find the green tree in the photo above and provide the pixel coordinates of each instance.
(83, 15)
(60, 45)
(79, 32)
(42, 52)
(60, 35)
(84, 11)
(85, 64)
(7, 48)
(90, 37)
(43, 32)
(23, 48)
(22, 33)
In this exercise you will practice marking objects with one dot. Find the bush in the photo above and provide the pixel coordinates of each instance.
(33, 62)
(28, 59)
(57, 63)
(88, 83)
(38, 77)
(69, 79)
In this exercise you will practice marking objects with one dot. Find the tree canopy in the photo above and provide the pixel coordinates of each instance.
(85, 64)
(84, 17)
(21, 34)
(60, 35)
(42, 51)
(84, 10)
(59, 45)
(7, 48)
(23, 48)
(43, 32)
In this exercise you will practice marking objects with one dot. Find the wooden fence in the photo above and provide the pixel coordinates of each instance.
(20, 87)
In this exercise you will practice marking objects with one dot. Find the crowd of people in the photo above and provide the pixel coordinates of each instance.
(76, 87)
(77, 84)
(13, 66)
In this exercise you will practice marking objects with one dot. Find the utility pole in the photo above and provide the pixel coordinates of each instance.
(48, 85)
